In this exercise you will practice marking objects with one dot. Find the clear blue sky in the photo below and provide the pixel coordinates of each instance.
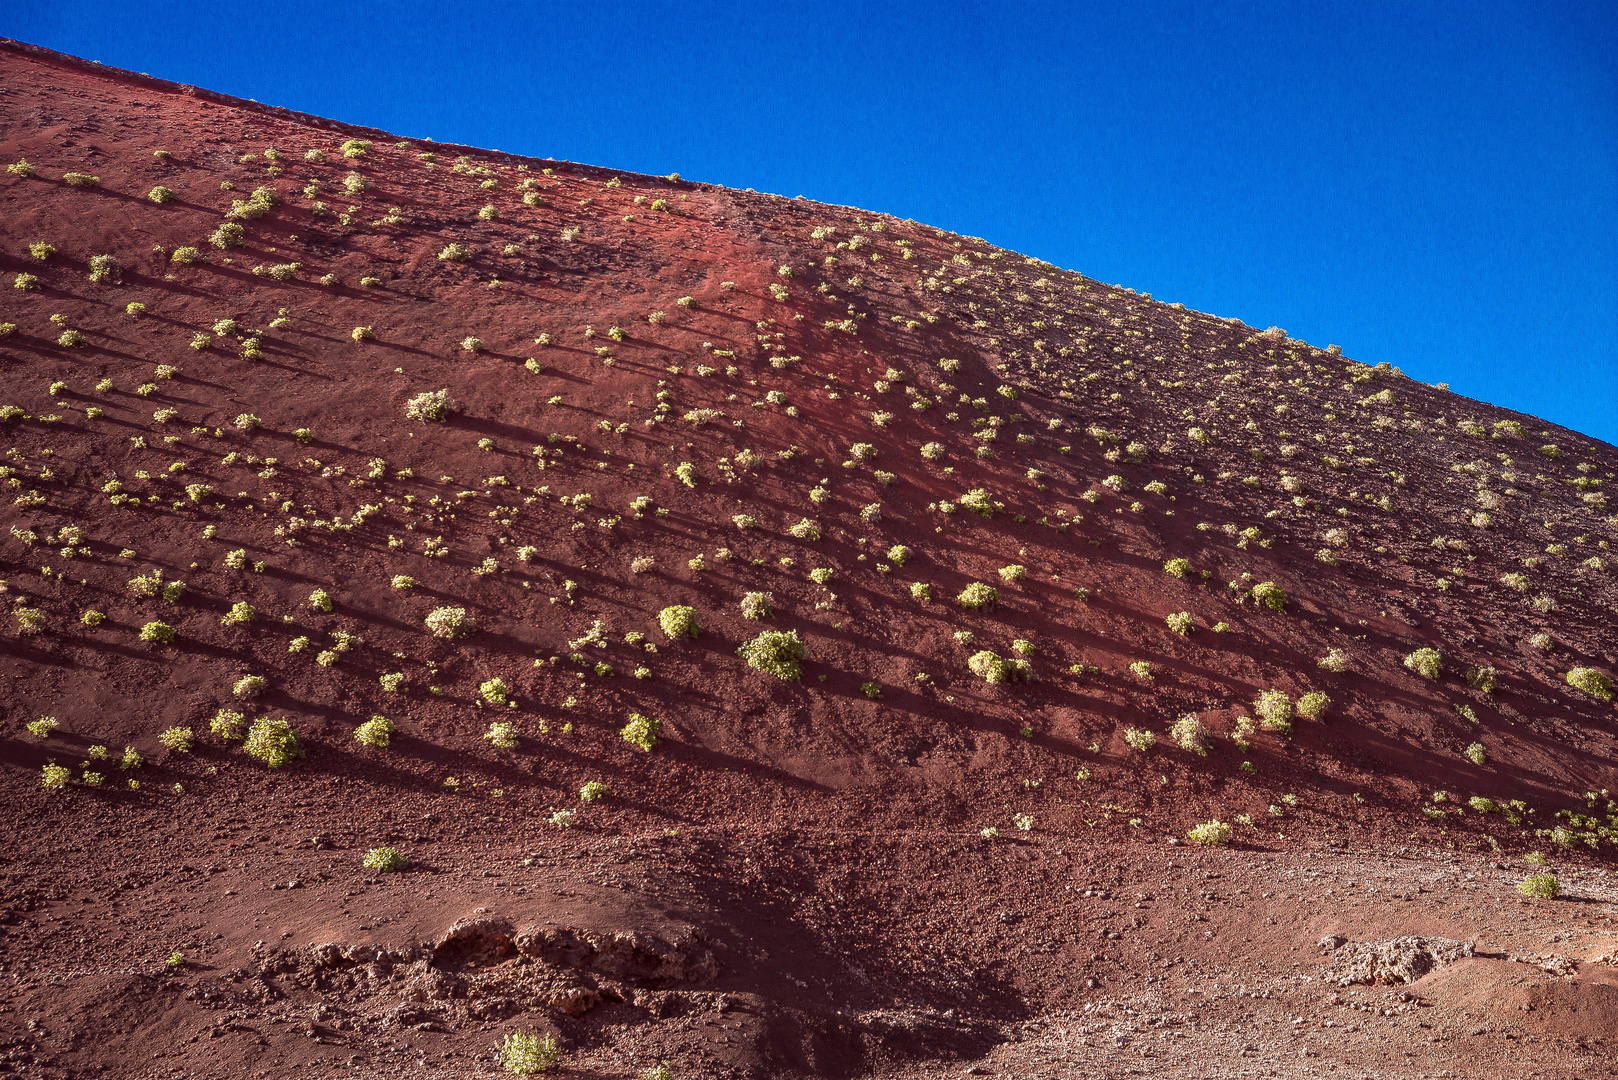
(1433, 185)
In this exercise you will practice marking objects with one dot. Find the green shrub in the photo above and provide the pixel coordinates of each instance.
(871, 690)
(502, 735)
(1335, 660)
(756, 605)
(922, 591)
(450, 622)
(1013, 573)
(1141, 669)
(978, 597)
(1139, 740)
(1312, 704)
(320, 600)
(1476, 753)
(377, 731)
(384, 860)
(1592, 682)
(592, 790)
(1270, 595)
(641, 731)
(776, 652)
(160, 632)
(1482, 678)
(1540, 886)
(996, 671)
(42, 728)
(431, 406)
(678, 621)
(527, 1055)
(1177, 567)
(240, 614)
(1274, 709)
(249, 686)
(1425, 662)
(820, 575)
(495, 691)
(1211, 833)
(228, 725)
(898, 554)
(80, 180)
(979, 501)
(1189, 734)
(805, 530)
(177, 739)
(394, 682)
(272, 741)
(54, 777)
(1181, 623)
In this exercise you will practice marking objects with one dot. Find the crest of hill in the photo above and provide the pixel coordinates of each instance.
(1024, 527)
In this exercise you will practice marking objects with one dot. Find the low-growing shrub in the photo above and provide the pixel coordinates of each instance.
(249, 686)
(1335, 660)
(178, 739)
(1013, 573)
(521, 1054)
(495, 691)
(1540, 886)
(272, 741)
(432, 406)
(678, 621)
(1270, 595)
(228, 725)
(1476, 753)
(777, 652)
(1312, 704)
(1181, 622)
(1189, 734)
(159, 632)
(1427, 663)
(996, 671)
(1274, 709)
(1177, 567)
(502, 734)
(384, 860)
(978, 597)
(377, 731)
(450, 622)
(1211, 833)
(756, 605)
(1592, 682)
(1139, 740)
(641, 731)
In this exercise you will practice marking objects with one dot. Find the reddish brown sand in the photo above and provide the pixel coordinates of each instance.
(796, 879)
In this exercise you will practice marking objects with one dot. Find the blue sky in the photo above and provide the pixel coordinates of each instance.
(1435, 186)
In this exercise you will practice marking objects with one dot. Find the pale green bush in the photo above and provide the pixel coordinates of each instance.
(978, 597)
(1312, 704)
(776, 652)
(272, 741)
(1274, 709)
(1181, 622)
(1540, 886)
(1425, 662)
(1211, 833)
(384, 860)
(450, 622)
(377, 731)
(1592, 682)
(678, 621)
(641, 731)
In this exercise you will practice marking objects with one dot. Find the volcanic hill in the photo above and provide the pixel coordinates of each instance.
(453, 596)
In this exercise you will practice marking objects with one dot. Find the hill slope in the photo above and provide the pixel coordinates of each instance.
(335, 383)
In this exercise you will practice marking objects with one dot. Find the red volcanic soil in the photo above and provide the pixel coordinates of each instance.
(667, 394)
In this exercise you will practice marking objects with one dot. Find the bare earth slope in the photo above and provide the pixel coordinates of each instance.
(956, 837)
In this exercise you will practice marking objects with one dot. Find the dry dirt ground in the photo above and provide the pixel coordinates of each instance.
(901, 860)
